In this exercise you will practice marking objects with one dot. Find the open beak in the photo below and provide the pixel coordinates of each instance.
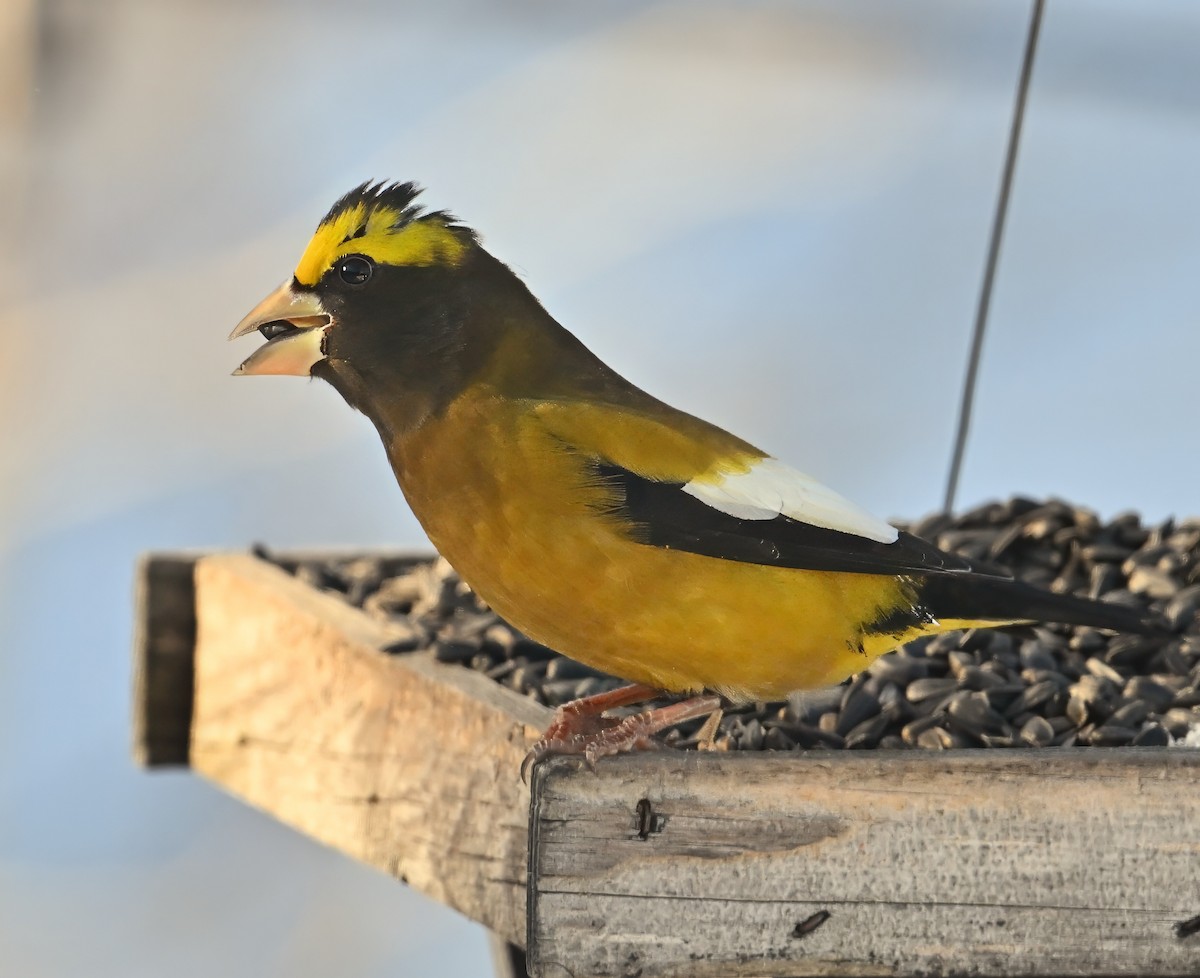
(294, 324)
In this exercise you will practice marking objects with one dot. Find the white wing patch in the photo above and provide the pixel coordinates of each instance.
(770, 488)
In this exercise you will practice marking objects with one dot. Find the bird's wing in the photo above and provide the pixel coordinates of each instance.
(673, 481)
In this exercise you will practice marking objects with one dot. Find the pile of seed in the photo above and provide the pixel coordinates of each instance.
(1043, 686)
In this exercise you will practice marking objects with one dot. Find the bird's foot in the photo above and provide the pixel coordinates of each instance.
(579, 728)
(586, 715)
(580, 719)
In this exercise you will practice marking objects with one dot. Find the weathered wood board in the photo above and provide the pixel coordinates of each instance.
(970, 863)
(397, 760)
(1063, 862)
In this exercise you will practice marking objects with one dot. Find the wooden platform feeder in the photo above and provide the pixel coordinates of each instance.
(1051, 862)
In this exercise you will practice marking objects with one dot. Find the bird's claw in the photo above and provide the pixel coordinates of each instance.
(581, 727)
(601, 737)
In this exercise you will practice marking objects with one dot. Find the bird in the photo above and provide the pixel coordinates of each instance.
(600, 521)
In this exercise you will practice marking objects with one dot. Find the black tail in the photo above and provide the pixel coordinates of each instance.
(977, 597)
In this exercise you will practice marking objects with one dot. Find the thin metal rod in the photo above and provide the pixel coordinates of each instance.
(993, 255)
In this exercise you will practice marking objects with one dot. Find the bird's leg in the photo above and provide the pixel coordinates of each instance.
(634, 732)
(586, 715)
(574, 722)
(581, 728)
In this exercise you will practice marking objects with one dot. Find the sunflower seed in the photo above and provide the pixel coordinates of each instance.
(455, 651)
(867, 733)
(935, 738)
(1180, 611)
(899, 668)
(1037, 655)
(564, 668)
(960, 661)
(1131, 714)
(1107, 553)
(913, 730)
(1102, 670)
(1174, 660)
(559, 691)
(1037, 732)
(978, 679)
(1000, 698)
(1127, 651)
(1060, 724)
(501, 636)
(1177, 721)
(808, 705)
(1151, 735)
(1104, 578)
(858, 706)
(1111, 735)
(971, 715)
(925, 689)
(1086, 640)
(1153, 582)
(1155, 694)
(776, 739)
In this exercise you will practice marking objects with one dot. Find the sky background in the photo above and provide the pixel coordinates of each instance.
(773, 215)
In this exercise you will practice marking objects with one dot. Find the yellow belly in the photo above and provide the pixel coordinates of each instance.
(509, 508)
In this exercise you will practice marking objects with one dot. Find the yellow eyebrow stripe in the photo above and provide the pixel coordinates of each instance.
(423, 241)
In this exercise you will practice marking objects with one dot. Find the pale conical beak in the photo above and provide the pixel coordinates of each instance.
(295, 323)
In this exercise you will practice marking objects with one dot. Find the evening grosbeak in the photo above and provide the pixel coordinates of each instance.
(598, 520)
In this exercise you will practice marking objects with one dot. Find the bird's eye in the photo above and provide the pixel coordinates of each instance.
(355, 269)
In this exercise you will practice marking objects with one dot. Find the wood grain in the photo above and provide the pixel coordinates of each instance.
(399, 761)
(970, 863)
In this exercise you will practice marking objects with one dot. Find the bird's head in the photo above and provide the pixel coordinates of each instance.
(401, 309)
(376, 285)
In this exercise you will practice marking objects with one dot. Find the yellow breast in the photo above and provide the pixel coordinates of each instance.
(515, 513)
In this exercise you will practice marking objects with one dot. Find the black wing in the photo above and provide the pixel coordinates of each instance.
(661, 514)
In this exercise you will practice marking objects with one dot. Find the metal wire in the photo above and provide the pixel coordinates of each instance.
(993, 254)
